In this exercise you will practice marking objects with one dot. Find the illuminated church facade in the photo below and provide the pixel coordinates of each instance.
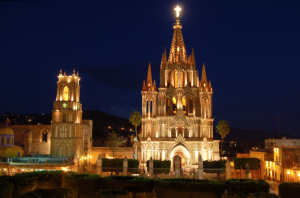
(177, 117)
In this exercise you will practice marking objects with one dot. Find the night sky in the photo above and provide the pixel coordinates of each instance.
(251, 49)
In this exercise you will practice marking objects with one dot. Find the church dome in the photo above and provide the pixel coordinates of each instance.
(6, 131)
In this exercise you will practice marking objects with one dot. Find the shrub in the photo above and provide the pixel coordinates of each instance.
(214, 164)
(246, 186)
(289, 189)
(6, 189)
(160, 166)
(263, 195)
(86, 185)
(114, 194)
(128, 183)
(49, 193)
(253, 195)
(49, 179)
(55, 193)
(22, 183)
(166, 188)
(30, 194)
(118, 163)
(254, 163)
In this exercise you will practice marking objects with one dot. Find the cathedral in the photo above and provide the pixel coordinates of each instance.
(177, 116)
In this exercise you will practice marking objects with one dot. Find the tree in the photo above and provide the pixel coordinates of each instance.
(135, 119)
(113, 142)
(223, 129)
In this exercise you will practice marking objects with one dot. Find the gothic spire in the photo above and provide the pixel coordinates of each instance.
(144, 88)
(177, 51)
(149, 76)
(203, 77)
(154, 86)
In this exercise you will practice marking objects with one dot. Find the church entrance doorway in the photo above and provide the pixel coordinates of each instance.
(181, 158)
(183, 155)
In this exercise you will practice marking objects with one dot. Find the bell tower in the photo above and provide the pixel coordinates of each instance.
(66, 127)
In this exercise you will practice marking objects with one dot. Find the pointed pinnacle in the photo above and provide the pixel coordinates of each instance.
(203, 77)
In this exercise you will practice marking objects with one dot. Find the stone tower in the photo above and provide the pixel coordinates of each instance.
(177, 119)
(67, 131)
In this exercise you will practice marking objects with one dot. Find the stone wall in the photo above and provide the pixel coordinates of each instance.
(33, 138)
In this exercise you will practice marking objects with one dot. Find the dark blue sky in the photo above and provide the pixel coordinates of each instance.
(250, 48)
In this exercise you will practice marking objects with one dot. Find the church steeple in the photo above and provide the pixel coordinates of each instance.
(150, 84)
(149, 76)
(177, 51)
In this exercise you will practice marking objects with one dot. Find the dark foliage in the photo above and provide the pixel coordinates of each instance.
(160, 166)
(246, 186)
(214, 164)
(128, 183)
(289, 189)
(118, 163)
(6, 188)
(188, 187)
(241, 162)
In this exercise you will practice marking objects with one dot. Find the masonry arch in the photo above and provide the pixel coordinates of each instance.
(184, 155)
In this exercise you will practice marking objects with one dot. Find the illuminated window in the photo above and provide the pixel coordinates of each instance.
(179, 130)
(173, 133)
(167, 106)
(174, 107)
(184, 105)
(66, 93)
(182, 79)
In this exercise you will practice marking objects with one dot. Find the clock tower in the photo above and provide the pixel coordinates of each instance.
(67, 127)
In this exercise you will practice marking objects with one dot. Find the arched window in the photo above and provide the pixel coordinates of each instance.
(174, 105)
(184, 105)
(66, 93)
(64, 117)
(170, 77)
(44, 136)
(167, 106)
(173, 133)
(176, 79)
(179, 131)
(186, 133)
(182, 79)
(191, 106)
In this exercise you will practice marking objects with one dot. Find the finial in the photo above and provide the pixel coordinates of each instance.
(74, 71)
(64, 73)
(60, 72)
(177, 9)
(77, 73)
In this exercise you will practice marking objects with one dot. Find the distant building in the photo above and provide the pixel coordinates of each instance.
(285, 165)
(50, 147)
(7, 140)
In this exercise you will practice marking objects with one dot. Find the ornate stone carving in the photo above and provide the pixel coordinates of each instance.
(179, 119)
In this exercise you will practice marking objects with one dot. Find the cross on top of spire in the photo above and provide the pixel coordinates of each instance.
(177, 9)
